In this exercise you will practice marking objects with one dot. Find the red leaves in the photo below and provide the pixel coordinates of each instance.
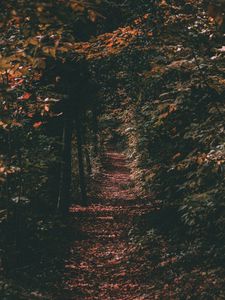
(2, 124)
(37, 124)
(176, 156)
(46, 108)
(16, 124)
(25, 96)
(30, 115)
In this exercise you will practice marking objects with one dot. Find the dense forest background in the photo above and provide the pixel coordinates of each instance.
(146, 78)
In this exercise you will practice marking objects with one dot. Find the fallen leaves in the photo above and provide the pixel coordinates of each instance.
(108, 44)
(99, 265)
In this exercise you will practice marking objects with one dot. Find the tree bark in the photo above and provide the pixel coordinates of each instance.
(65, 182)
(95, 131)
(80, 161)
(85, 144)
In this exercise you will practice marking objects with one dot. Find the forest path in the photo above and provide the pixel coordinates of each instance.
(101, 265)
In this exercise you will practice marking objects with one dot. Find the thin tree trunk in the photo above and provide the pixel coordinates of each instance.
(86, 152)
(65, 181)
(80, 162)
(88, 161)
(95, 131)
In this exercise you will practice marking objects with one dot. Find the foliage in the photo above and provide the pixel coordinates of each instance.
(159, 69)
(168, 94)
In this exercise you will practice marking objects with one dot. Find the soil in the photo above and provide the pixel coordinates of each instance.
(101, 264)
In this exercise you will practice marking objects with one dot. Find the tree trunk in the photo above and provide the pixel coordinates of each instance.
(88, 161)
(65, 182)
(95, 131)
(86, 150)
(80, 161)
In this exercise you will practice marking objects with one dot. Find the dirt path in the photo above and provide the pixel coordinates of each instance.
(100, 264)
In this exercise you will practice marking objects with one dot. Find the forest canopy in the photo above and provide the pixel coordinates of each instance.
(126, 91)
